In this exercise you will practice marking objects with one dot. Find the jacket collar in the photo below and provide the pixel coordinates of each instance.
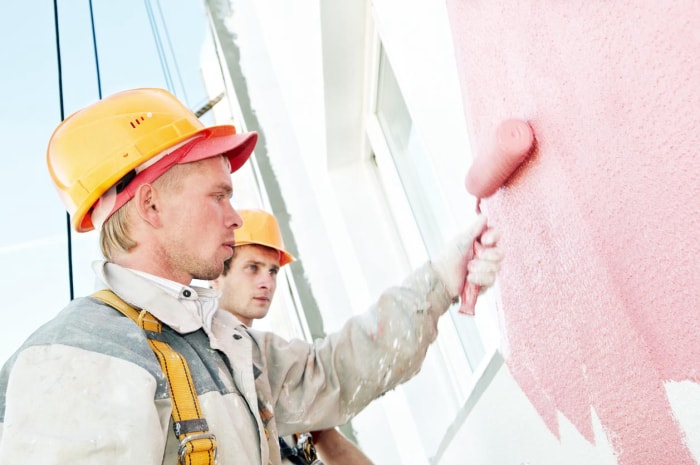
(183, 308)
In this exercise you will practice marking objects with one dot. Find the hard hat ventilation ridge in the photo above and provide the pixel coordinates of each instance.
(137, 121)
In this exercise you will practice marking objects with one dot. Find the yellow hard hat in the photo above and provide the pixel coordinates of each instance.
(105, 146)
(261, 228)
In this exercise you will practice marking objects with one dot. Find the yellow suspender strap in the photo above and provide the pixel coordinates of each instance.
(197, 444)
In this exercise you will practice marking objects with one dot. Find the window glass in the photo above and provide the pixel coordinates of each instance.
(409, 156)
(411, 161)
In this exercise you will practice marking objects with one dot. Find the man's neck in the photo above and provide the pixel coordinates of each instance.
(246, 321)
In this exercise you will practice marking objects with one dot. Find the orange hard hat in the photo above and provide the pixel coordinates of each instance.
(129, 139)
(261, 228)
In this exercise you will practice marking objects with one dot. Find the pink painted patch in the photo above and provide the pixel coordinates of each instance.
(600, 225)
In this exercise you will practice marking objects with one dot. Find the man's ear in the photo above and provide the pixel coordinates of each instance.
(147, 206)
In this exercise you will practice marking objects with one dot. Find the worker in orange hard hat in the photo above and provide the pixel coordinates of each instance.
(147, 369)
(249, 279)
(247, 287)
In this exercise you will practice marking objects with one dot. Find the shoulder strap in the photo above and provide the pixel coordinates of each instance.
(197, 444)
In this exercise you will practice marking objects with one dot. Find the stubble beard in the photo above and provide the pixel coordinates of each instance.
(200, 268)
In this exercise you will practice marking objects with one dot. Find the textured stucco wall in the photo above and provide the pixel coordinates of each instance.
(599, 293)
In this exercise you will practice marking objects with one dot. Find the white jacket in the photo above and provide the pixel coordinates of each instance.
(86, 388)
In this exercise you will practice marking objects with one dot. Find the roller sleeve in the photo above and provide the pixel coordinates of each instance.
(490, 170)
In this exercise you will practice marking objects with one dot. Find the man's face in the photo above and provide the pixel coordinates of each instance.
(248, 287)
(198, 220)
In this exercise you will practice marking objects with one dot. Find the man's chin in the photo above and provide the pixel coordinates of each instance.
(210, 274)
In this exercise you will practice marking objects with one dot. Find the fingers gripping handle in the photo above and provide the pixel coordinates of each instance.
(471, 291)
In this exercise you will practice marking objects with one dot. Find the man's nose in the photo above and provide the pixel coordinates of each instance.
(267, 281)
(233, 219)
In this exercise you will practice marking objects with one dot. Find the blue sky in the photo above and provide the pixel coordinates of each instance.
(33, 239)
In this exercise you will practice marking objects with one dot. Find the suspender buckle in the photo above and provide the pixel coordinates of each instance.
(197, 443)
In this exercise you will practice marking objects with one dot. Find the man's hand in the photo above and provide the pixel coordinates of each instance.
(459, 263)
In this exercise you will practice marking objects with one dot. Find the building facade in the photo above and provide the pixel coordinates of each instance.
(370, 114)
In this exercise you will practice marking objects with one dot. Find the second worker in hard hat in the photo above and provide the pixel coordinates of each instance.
(148, 371)
(247, 286)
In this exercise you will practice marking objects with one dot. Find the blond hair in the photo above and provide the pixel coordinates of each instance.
(114, 235)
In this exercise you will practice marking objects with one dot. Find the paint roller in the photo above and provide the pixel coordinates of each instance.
(489, 171)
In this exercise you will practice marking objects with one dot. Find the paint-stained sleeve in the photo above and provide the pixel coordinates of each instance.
(315, 386)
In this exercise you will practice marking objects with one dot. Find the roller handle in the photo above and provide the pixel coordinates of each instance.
(470, 291)
(514, 141)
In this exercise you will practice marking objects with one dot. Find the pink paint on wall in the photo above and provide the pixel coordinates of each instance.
(599, 291)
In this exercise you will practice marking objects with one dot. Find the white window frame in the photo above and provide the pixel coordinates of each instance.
(459, 367)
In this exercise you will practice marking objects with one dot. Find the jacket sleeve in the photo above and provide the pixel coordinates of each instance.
(324, 384)
(64, 404)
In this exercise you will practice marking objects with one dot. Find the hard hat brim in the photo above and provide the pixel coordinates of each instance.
(285, 257)
(205, 143)
(222, 140)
